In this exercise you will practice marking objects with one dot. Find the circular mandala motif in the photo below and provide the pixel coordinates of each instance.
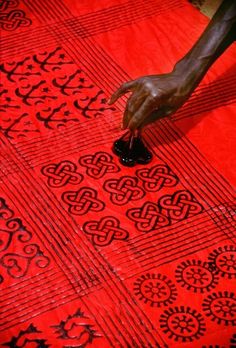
(224, 260)
(155, 289)
(221, 307)
(196, 275)
(182, 324)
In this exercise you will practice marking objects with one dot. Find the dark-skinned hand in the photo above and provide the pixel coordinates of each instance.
(153, 97)
(156, 96)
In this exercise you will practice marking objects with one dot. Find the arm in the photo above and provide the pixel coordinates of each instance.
(156, 96)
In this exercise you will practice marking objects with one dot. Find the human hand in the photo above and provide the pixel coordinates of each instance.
(153, 97)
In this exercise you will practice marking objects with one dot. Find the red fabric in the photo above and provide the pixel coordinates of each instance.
(93, 254)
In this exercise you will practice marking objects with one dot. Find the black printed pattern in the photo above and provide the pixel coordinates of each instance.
(11, 17)
(61, 174)
(31, 336)
(168, 210)
(76, 330)
(17, 252)
(82, 201)
(221, 307)
(196, 275)
(148, 218)
(98, 164)
(156, 177)
(40, 101)
(106, 230)
(223, 260)
(182, 324)
(155, 289)
(123, 190)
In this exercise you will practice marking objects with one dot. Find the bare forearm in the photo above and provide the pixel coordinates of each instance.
(157, 96)
(219, 34)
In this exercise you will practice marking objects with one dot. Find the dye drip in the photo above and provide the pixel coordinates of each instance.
(131, 151)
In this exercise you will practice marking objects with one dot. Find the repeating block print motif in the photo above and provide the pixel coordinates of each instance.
(121, 191)
(179, 322)
(76, 329)
(171, 296)
(12, 17)
(46, 91)
(168, 210)
(19, 252)
(86, 199)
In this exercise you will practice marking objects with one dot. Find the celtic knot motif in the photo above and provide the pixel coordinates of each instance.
(82, 201)
(5, 4)
(103, 232)
(123, 190)
(157, 177)
(180, 205)
(99, 164)
(61, 174)
(148, 217)
(14, 19)
(182, 324)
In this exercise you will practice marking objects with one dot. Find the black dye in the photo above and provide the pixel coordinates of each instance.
(130, 155)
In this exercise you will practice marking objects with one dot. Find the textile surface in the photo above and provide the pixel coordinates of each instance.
(93, 254)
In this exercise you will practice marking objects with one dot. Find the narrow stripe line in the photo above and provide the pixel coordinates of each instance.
(122, 293)
(47, 241)
(38, 11)
(127, 342)
(193, 113)
(73, 131)
(67, 146)
(129, 9)
(91, 52)
(182, 145)
(48, 200)
(110, 80)
(209, 169)
(171, 156)
(207, 107)
(20, 297)
(21, 306)
(158, 236)
(179, 145)
(14, 290)
(190, 251)
(166, 244)
(36, 314)
(115, 24)
(162, 258)
(64, 154)
(187, 250)
(33, 313)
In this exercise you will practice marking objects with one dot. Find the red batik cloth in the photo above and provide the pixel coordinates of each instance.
(93, 254)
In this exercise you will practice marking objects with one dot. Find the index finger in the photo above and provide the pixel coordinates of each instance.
(126, 87)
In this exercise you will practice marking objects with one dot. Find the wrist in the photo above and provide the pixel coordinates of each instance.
(190, 71)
